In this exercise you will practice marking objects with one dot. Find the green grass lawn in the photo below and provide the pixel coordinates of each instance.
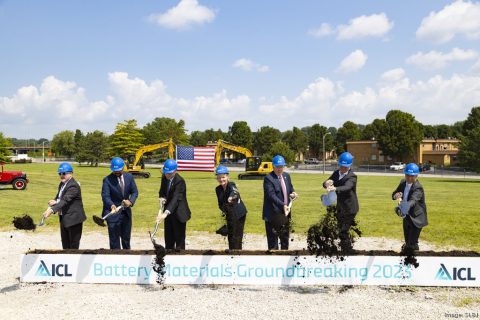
(452, 213)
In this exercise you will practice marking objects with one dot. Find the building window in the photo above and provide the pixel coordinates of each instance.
(374, 157)
(374, 145)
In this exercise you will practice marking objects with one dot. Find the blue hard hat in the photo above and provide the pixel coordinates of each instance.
(345, 159)
(411, 169)
(117, 164)
(278, 161)
(329, 198)
(65, 167)
(169, 166)
(221, 170)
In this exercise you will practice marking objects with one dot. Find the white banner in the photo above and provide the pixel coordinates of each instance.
(251, 270)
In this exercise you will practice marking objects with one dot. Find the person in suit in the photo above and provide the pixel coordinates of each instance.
(173, 197)
(344, 182)
(232, 207)
(412, 207)
(119, 189)
(69, 206)
(278, 192)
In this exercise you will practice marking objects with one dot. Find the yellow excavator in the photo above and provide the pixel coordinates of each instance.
(255, 168)
(135, 164)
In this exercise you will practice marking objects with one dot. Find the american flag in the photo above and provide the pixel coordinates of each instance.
(195, 158)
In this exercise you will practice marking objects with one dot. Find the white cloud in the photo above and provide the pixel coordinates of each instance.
(375, 25)
(353, 62)
(324, 30)
(184, 15)
(393, 75)
(476, 67)
(437, 60)
(249, 65)
(458, 18)
(57, 105)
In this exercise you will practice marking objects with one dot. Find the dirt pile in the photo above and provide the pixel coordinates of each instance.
(158, 263)
(323, 238)
(24, 223)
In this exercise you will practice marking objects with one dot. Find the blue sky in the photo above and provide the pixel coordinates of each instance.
(91, 64)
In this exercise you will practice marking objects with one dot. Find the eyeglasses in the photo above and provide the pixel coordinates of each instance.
(63, 173)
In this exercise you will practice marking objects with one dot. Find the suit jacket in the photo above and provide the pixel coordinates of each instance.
(416, 203)
(70, 204)
(273, 195)
(176, 197)
(346, 190)
(112, 194)
(237, 206)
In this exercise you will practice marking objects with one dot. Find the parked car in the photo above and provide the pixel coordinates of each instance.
(397, 166)
(424, 167)
(17, 179)
(312, 161)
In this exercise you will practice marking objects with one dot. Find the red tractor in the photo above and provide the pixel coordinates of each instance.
(17, 179)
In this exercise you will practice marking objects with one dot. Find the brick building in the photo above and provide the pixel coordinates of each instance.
(440, 152)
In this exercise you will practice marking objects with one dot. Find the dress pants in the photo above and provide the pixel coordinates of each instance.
(273, 236)
(71, 236)
(174, 233)
(411, 233)
(120, 232)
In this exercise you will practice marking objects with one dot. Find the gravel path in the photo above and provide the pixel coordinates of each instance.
(90, 301)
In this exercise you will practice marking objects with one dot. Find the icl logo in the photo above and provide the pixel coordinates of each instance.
(456, 274)
(60, 270)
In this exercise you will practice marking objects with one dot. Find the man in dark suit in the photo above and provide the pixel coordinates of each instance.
(278, 192)
(173, 196)
(119, 189)
(69, 206)
(412, 207)
(344, 182)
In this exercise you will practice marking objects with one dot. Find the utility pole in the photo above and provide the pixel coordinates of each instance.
(323, 144)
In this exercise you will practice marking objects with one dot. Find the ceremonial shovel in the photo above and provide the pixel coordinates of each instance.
(101, 221)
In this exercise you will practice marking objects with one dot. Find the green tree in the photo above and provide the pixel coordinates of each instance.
(240, 134)
(315, 140)
(297, 141)
(265, 138)
(429, 131)
(348, 132)
(4, 144)
(401, 135)
(63, 143)
(469, 149)
(96, 145)
(80, 147)
(457, 129)
(280, 148)
(198, 139)
(126, 139)
(444, 131)
(213, 135)
(162, 129)
(373, 130)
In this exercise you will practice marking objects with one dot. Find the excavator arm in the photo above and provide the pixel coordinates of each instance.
(225, 145)
(152, 147)
(134, 164)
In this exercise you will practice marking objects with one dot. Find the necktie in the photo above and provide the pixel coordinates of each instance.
(284, 189)
(169, 185)
(122, 184)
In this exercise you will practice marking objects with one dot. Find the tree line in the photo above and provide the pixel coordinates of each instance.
(398, 135)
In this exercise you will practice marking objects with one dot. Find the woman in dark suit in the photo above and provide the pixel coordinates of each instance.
(232, 207)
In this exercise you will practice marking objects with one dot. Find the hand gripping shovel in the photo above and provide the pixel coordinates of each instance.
(101, 221)
(159, 249)
(42, 222)
(152, 235)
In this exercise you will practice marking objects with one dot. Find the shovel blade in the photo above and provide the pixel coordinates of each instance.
(99, 221)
